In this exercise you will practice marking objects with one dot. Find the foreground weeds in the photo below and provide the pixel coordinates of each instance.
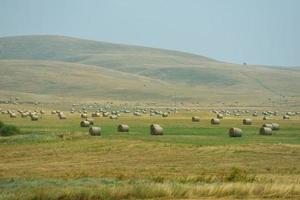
(151, 190)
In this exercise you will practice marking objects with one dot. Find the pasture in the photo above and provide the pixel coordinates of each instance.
(58, 159)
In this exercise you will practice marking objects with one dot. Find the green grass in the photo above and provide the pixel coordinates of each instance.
(8, 130)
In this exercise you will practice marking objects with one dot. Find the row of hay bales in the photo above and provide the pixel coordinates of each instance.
(217, 121)
(254, 113)
(33, 115)
(136, 112)
(266, 129)
(266, 116)
(155, 129)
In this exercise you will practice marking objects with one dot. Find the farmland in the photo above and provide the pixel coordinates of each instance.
(57, 159)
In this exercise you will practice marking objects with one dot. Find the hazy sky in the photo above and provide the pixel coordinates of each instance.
(254, 31)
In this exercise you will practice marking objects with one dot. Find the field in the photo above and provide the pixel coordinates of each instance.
(57, 159)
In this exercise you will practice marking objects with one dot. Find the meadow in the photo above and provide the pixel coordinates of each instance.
(57, 159)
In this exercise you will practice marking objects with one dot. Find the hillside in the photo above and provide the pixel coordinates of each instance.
(57, 66)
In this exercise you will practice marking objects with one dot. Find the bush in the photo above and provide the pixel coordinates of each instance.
(237, 174)
(7, 130)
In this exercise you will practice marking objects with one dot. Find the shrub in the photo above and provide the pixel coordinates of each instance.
(7, 130)
(237, 174)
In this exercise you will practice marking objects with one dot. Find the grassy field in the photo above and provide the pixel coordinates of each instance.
(56, 159)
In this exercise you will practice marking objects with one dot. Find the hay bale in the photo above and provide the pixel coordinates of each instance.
(96, 114)
(24, 114)
(286, 117)
(84, 123)
(265, 118)
(220, 116)
(195, 119)
(113, 117)
(215, 121)
(123, 128)
(53, 112)
(106, 114)
(267, 125)
(165, 115)
(61, 115)
(156, 129)
(95, 131)
(83, 115)
(91, 120)
(247, 121)
(42, 112)
(137, 114)
(275, 127)
(254, 114)
(235, 132)
(34, 117)
(265, 131)
(13, 115)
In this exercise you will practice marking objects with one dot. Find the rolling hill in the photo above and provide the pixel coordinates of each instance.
(51, 67)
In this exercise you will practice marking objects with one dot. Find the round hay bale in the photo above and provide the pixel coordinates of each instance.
(106, 114)
(95, 131)
(53, 112)
(42, 112)
(265, 118)
(286, 117)
(96, 114)
(83, 115)
(90, 120)
(220, 116)
(113, 117)
(275, 127)
(156, 129)
(165, 115)
(265, 131)
(267, 125)
(235, 132)
(85, 123)
(24, 114)
(215, 121)
(247, 121)
(254, 114)
(123, 128)
(137, 114)
(61, 115)
(195, 119)
(34, 117)
(13, 115)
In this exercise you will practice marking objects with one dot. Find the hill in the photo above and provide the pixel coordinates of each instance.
(58, 66)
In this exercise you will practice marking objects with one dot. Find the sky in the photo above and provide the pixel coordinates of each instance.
(265, 32)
